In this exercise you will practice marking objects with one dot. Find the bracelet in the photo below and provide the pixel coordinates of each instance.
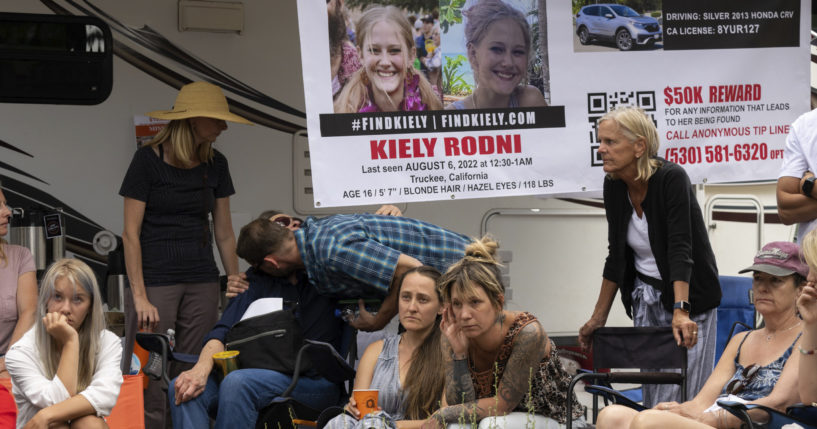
(806, 352)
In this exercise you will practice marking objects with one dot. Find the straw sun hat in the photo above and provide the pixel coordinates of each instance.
(199, 99)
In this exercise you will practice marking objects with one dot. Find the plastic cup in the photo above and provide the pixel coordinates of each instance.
(226, 361)
(366, 400)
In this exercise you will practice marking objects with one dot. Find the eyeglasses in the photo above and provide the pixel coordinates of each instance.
(737, 385)
(286, 221)
(282, 219)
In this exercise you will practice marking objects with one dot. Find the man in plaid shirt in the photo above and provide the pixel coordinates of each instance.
(359, 255)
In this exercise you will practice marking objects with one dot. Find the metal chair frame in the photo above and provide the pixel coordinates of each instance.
(629, 353)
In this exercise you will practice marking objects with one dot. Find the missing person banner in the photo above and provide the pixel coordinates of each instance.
(487, 98)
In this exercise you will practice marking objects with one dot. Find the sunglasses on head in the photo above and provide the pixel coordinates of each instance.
(737, 385)
(283, 220)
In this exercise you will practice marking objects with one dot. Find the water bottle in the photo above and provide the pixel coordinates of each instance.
(347, 313)
(171, 336)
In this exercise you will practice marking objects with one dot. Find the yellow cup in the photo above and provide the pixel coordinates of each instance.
(366, 400)
(226, 361)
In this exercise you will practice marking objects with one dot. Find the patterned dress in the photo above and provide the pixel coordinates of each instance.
(763, 382)
(549, 385)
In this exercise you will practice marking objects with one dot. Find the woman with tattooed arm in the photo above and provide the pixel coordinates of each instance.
(501, 370)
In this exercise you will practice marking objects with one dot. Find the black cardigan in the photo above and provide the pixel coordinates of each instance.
(678, 239)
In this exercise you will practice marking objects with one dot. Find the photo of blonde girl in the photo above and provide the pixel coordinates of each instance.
(388, 80)
(499, 49)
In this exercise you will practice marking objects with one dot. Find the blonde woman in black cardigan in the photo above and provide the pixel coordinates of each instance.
(659, 253)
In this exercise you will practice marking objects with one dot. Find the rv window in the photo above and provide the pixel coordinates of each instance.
(54, 59)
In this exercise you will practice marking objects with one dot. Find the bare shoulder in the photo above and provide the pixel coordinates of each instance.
(373, 349)
(531, 337)
(731, 350)
(530, 96)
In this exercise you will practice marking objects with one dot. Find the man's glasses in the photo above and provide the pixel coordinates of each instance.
(737, 385)
(282, 220)
(287, 221)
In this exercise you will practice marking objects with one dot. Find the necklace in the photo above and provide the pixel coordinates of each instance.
(770, 337)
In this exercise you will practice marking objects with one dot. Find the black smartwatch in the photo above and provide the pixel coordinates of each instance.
(808, 186)
(683, 306)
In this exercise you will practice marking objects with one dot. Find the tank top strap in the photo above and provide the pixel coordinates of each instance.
(390, 346)
(740, 346)
(791, 347)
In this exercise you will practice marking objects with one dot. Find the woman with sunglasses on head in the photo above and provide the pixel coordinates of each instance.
(175, 182)
(807, 306)
(758, 366)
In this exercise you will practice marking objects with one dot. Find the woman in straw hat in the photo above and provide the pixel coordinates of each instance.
(174, 182)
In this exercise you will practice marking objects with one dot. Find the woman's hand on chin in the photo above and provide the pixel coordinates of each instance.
(57, 326)
(453, 332)
(807, 304)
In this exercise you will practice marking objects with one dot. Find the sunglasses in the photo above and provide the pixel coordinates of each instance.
(282, 220)
(286, 220)
(737, 385)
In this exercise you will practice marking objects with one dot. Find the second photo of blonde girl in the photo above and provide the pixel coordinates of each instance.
(498, 44)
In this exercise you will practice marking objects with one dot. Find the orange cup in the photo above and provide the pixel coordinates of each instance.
(366, 400)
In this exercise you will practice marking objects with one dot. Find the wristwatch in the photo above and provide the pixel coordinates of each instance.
(808, 186)
(683, 306)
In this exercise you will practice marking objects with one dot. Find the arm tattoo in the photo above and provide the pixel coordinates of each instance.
(466, 414)
(461, 382)
(523, 364)
(458, 385)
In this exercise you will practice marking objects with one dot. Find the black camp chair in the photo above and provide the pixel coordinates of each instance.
(161, 355)
(804, 416)
(631, 348)
(284, 412)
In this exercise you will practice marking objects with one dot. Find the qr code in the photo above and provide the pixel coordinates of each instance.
(599, 103)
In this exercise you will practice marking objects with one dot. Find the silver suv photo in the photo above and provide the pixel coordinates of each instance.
(617, 23)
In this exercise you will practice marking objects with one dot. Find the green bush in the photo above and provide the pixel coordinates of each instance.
(453, 82)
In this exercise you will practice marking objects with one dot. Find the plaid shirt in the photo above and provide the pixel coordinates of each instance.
(356, 255)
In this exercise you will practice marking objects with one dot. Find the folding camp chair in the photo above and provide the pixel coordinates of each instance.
(736, 307)
(285, 412)
(804, 416)
(161, 355)
(632, 348)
